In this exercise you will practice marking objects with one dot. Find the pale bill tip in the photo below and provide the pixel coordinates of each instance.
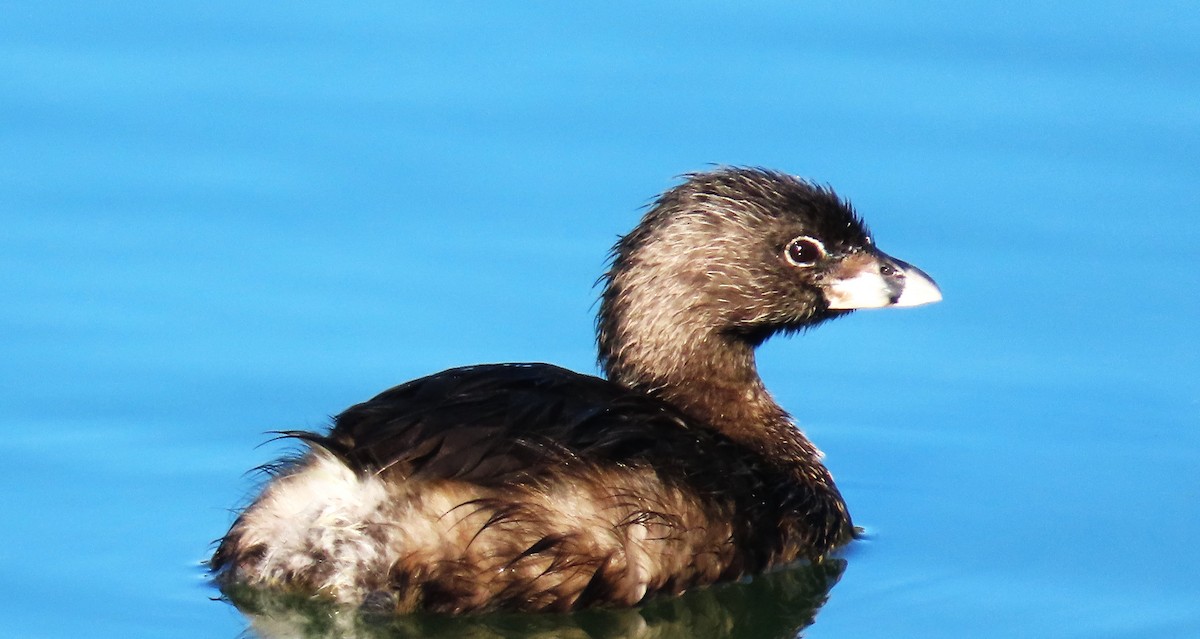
(919, 288)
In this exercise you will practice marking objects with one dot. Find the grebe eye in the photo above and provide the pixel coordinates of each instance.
(805, 251)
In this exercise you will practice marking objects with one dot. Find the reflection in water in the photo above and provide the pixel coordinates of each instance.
(771, 606)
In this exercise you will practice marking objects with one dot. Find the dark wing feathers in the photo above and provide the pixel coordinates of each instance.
(505, 424)
(492, 424)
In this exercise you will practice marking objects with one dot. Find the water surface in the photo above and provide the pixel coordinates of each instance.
(220, 220)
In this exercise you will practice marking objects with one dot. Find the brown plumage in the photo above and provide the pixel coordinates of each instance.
(530, 487)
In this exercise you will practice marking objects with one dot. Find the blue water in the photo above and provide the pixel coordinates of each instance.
(221, 219)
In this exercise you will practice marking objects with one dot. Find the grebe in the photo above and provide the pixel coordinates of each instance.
(530, 487)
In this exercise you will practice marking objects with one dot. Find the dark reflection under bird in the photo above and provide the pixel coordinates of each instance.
(775, 605)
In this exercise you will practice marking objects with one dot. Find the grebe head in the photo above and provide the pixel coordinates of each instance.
(731, 257)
